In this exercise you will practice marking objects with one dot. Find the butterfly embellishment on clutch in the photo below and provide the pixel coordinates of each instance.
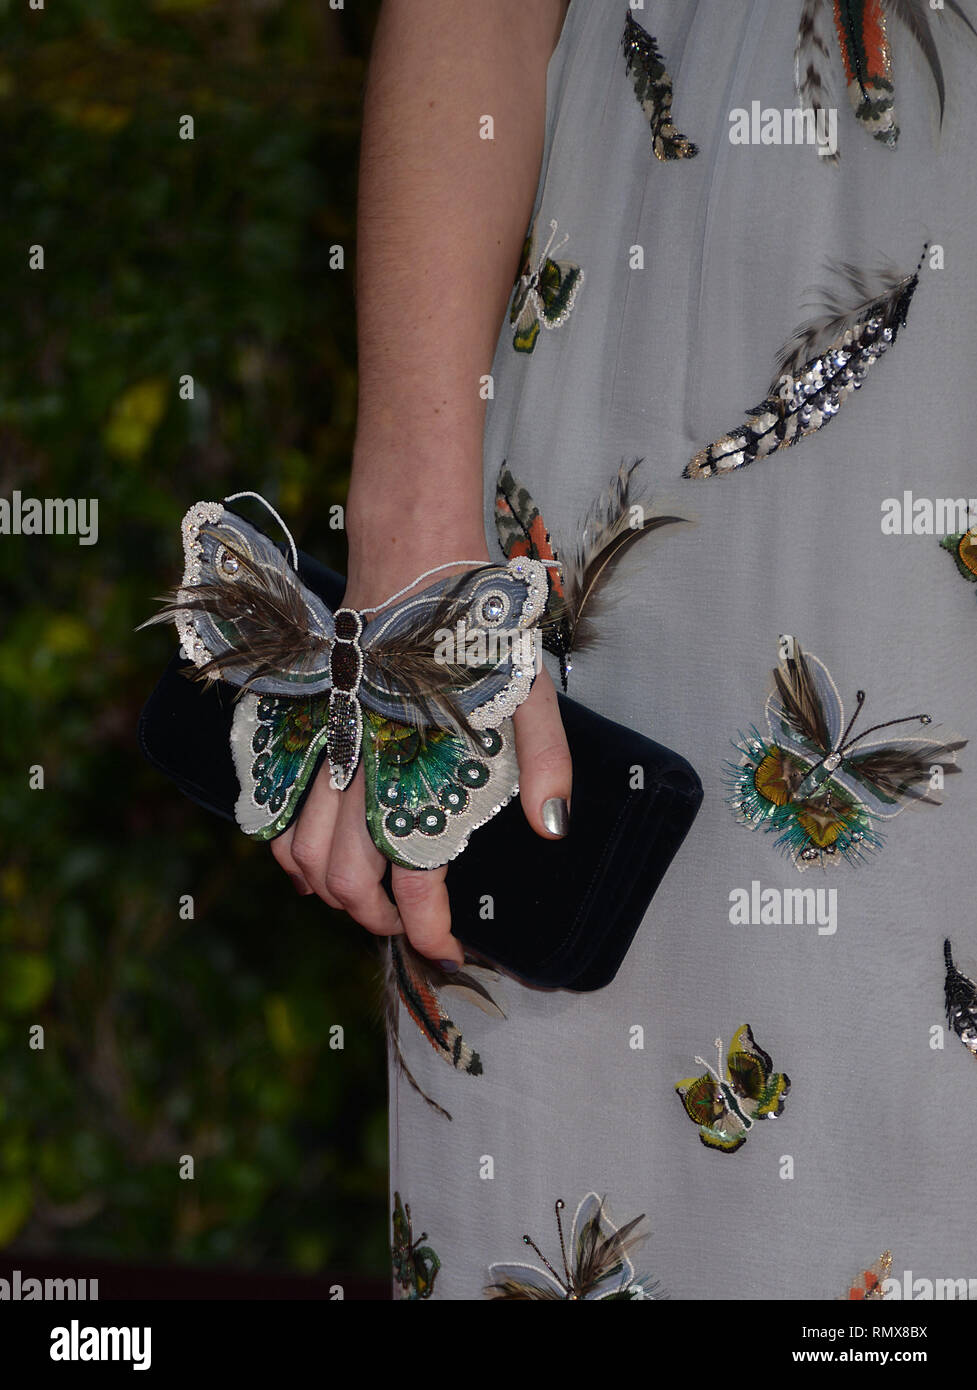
(596, 1263)
(545, 289)
(819, 786)
(421, 690)
(415, 1264)
(727, 1104)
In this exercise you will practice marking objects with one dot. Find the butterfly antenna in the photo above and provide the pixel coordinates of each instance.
(528, 1240)
(549, 247)
(708, 1065)
(560, 1204)
(906, 719)
(859, 702)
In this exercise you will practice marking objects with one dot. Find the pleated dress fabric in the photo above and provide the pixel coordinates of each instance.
(694, 272)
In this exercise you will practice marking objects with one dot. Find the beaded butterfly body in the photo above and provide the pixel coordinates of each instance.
(435, 731)
(545, 290)
(727, 1105)
(814, 783)
(415, 1265)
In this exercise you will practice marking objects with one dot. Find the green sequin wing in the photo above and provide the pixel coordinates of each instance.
(277, 743)
(427, 790)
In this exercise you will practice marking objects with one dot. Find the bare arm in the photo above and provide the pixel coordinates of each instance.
(442, 217)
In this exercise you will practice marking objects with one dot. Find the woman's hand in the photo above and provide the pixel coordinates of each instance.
(328, 850)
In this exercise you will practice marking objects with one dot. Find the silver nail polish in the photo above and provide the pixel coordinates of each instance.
(556, 815)
(449, 966)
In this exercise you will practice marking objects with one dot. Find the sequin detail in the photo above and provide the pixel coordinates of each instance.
(201, 514)
(727, 1102)
(596, 1262)
(427, 791)
(960, 993)
(653, 89)
(825, 363)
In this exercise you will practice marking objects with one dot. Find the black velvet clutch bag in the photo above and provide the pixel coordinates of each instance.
(563, 913)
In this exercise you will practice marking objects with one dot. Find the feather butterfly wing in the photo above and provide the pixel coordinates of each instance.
(242, 612)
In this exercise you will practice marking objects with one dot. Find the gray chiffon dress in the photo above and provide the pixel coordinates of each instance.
(826, 538)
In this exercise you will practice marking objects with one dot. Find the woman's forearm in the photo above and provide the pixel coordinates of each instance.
(441, 220)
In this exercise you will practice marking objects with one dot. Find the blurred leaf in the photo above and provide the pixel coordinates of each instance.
(25, 981)
(134, 417)
(16, 1201)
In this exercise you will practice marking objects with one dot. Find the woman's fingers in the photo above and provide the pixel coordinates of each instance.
(303, 850)
(545, 769)
(356, 867)
(422, 897)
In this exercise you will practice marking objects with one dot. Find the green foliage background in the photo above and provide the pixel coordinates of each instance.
(165, 256)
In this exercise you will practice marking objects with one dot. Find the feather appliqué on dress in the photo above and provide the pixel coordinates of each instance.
(828, 359)
(812, 62)
(418, 983)
(618, 519)
(863, 37)
(960, 993)
(653, 89)
(963, 547)
(415, 1265)
(861, 26)
(596, 1263)
(728, 1101)
(870, 1283)
(814, 783)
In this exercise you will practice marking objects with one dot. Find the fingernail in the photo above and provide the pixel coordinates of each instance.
(451, 966)
(300, 885)
(556, 815)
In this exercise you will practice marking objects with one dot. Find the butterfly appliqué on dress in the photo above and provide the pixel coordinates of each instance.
(545, 289)
(727, 1106)
(415, 1264)
(817, 784)
(963, 547)
(596, 1263)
